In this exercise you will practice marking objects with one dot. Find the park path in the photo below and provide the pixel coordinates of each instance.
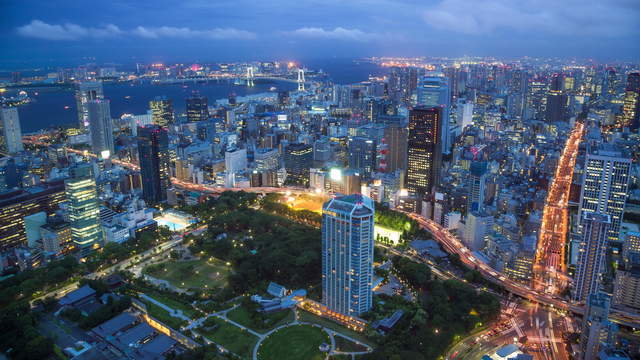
(173, 312)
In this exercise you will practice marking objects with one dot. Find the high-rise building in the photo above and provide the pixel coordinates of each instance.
(395, 136)
(631, 106)
(197, 108)
(605, 186)
(536, 98)
(595, 227)
(597, 330)
(100, 126)
(17, 204)
(266, 159)
(153, 154)
(556, 100)
(298, 159)
(424, 153)
(347, 254)
(476, 185)
(84, 208)
(476, 227)
(434, 91)
(626, 288)
(162, 111)
(10, 131)
(85, 92)
(362, 155)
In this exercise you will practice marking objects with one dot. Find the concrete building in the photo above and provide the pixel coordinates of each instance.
(595, 227)
(10, 130)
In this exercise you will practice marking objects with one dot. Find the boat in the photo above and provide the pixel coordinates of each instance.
(273, 88)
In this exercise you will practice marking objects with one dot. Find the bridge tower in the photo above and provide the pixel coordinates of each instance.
(250, 76)
(300, 80)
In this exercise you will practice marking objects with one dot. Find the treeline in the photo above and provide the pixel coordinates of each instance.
(261, 247)
(444, 309)
(20, 338)
(398, 221)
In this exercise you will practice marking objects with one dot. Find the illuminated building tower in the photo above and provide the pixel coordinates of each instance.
(423, 150)
(84, 209)
(153, 154)
(298, 159)
(593, 245)
(536, 99)
(626, 289)
(162, 111)
(631, 106)
(433, 91)
(197, 108)
(556, 100)
(86, 92)
(100, 127)
(10, 131)
(597, 330)
(476, 185)
(347, 254)
(362, 155)
(605, 186)
(395, 136)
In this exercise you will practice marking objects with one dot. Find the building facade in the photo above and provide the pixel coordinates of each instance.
(595, 227)
(423, 150)
(100, 126)
(10, 130)
(84, 209)
(153, 154)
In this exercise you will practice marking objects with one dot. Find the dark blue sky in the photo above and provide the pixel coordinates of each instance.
(65, 31)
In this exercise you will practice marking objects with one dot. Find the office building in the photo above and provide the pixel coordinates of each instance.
(593, 244)
(605, 186)
(298, 159)
(597, 330)
(153, 155)
(266, 159)
(32, 224)
(631, 105)
(362, 155)
(347, 254)
(197, 108)
(536, 98)
(84, 209)
(56, 238)
(477, 226)
(434, 91)
(395, 136)
(15, 205)
(556, 100)
(476, 185)
(85, 92)
(10, 131)
(424, 153)
(100, 127)
(626, 288)
(162, 111)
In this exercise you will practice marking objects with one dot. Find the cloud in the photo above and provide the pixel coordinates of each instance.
(338, 33)
(187, 33)
(41, 30)
(566, 17)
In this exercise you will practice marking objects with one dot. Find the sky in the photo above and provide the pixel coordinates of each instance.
(72, 31)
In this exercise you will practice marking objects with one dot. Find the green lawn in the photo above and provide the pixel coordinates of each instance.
(186, 308)
(345, 345)
(163, 315)
(231, 337)
(191, 274)
(294, 343)
(305, 316)
(242, 316)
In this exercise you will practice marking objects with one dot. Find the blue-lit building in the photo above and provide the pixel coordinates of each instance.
(433, 90)
(347, 254)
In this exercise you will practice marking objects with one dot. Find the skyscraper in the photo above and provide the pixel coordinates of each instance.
(424, 152)
(84, 208)
(556, 100)
(395, 136)
(162, 111)
(10, 130)
(605, 186)
(100, 126)
(347, 254)
(433, 90)
(476, 185)
(86, 92)
(298, 159)
(153, 154)
(596, 327)
(536, 99)
(362, 155)
(631, 106)
(197, 108)
(593, 246)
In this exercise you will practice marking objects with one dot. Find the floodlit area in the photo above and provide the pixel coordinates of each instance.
(175, 220)
(312, 202)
